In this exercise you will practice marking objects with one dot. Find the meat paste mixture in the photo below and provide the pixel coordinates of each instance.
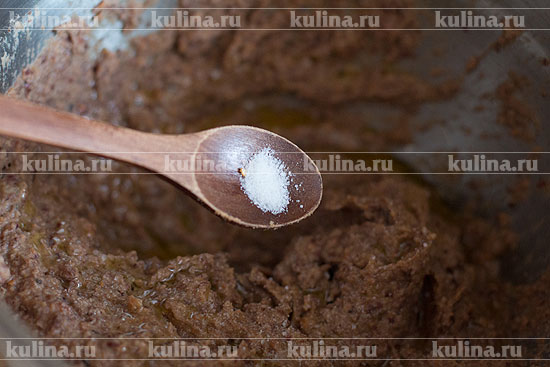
(130, 255)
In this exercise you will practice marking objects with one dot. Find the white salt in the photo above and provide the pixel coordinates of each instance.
(265, 180)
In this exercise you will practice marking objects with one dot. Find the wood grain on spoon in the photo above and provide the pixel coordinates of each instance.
(230, 145)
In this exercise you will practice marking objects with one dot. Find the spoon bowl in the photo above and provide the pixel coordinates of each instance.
(222, 191)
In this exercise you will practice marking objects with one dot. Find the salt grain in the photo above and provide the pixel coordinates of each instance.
(266, 182)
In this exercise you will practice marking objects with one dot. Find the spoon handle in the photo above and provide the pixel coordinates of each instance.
(24, 120)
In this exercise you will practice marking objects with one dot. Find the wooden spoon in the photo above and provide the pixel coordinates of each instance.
(229, 146)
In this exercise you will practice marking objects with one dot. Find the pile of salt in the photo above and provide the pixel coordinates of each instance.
(265, 180)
